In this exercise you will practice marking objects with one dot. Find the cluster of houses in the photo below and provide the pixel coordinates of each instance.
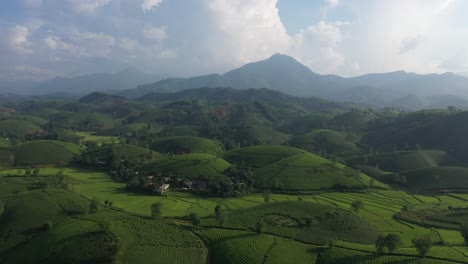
(164, 187)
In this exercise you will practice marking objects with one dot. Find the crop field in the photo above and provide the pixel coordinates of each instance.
(17, 127)
(181, 145)
(405, 160)
(87, 136)
(238, 246)
(379, 210)
(437, 178)
(259, 156)
(338, 256)
(190, 165)
(143, 239)
(127, 152)
(46, 152)
(311, 172)
(304, 221)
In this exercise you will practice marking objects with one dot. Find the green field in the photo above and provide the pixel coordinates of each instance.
(87, 136)
(189, 165)
(404, 160)
(259, 156)
(45, 152)
(186, 145)
(305, 172)
(13, 127)
(379, 209)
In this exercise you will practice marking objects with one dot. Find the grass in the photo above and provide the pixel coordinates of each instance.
(87, 136)
(45, 152)
(304, 172)
(339, 255)
(259, 156)
(436, 178)
(189, 165)
(13, 127)
(405, 160)
(25, 214)
(237, 246)
(131, 153)
(379, 210)
(305, 221)
(184, 145)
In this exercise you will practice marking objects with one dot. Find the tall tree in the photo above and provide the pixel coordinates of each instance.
(194, 219)
(156, 210)
(423, 244)
(357, 205)
(266, 196)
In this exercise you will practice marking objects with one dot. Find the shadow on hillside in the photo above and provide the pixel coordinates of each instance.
(240, 236)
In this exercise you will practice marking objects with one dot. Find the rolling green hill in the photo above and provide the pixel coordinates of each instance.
(45, 152)
(404, 160)
(189, 165)
(259, 156)
(25, 215)
(180, 145)
(327, 142)
(15, 127)
(130, 153)
(304, 172)
(85, 121)
(306, 222)
(436, 178)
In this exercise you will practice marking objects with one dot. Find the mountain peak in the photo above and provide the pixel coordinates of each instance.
(281, 57)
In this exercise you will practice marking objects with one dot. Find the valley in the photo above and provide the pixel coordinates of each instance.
(248, 180)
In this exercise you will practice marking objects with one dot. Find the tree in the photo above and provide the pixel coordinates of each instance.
(93, 206)
(423, 244)
(219, 214)
(47, 225)
(392, 242)
(380, 244)
(36, 172)
(194, 219)
(259, 226)
(266, 196)
(156, 210)
(357, 205)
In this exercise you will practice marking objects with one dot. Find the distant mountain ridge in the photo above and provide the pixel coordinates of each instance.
(285, 74)
(83, 84)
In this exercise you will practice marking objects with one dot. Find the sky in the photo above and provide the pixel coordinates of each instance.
(41, 39)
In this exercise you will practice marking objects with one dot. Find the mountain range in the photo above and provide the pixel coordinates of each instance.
(400, 89)
(80, 85)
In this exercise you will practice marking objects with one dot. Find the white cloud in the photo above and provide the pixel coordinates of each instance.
(94, 44)
(168, 54)
(87, 6)
(148, 5)
(30, 69)
(18, 40)
(32, 3)
(410, 43)
(319, 46)
(329, 4)
(155, 33)
(56, 43)
(129, 44)
(245, 31)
